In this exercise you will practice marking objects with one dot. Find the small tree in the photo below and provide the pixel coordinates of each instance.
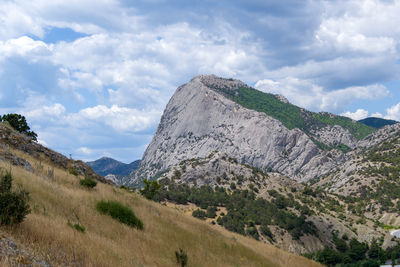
(13, 205)
(181, 257)
(199, 214)
(151, 189)
(18, 122)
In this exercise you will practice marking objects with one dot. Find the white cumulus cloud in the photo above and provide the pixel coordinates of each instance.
(393, 113)
(307, 94)
(359, 114)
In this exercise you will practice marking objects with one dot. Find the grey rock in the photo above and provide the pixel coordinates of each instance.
(198, 120)
(334, 135)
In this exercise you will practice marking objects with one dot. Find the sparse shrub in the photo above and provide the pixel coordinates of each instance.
(73, 172)
(88, 182)
(77, 226)
(199, 214)
(252, 231)
(13, 205)
(181, 257)
(125, 187)
(119, 212)
(265, 231)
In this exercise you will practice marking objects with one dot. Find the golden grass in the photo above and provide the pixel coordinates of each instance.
(59, 199)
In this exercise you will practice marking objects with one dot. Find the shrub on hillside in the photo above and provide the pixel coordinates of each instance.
(265, 231)
(77, 226)
(151, 190)
(211, 212)
(119, 212)
(88, 182)
(199, 214)
(73, 172)
(252, 231)
(13, 205)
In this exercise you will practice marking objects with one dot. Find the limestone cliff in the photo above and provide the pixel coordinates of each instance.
(199, 119)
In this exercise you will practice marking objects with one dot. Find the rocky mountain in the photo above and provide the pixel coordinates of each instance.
(113, 169)
(297, 202)
(377, 122)
(263, 130)
(322, 179)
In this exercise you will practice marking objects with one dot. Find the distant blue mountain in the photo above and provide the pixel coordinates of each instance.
(104, 166)
(377, 122)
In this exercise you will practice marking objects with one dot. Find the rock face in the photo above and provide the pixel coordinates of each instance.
(335, 135)
(198, 120)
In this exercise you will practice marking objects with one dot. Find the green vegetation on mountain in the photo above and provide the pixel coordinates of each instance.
(352, 253)
(384, 165)
(290, 115)
(244, 210)
(377, 122)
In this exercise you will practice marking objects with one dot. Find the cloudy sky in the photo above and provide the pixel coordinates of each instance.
(93, 76)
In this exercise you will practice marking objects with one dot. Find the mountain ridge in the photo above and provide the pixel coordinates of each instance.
(106, 165)
(377, 122)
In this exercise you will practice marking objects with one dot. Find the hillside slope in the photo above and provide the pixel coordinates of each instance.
(270, 200)
(215, 114)
(58, 200)
(369, 180)
(11, 139)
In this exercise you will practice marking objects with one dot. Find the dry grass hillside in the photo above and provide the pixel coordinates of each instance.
(57, 198)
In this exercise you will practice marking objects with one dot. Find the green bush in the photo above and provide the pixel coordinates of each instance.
(265, 231)
(252, 231)
(199, 214)
(77, 226)
(73, 172)
(88, 182)
(211, 212)
(13, 205)
(119, 212)
(151, 190)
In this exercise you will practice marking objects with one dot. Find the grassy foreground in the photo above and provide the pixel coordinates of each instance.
(58, 200)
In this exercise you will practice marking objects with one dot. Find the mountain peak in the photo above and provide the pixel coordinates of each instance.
(211, 113)
(214, 81)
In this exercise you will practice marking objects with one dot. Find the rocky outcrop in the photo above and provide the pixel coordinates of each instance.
(12, 254)
(335, 135)
(379, 136)
(199, 120)
(218, 169)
